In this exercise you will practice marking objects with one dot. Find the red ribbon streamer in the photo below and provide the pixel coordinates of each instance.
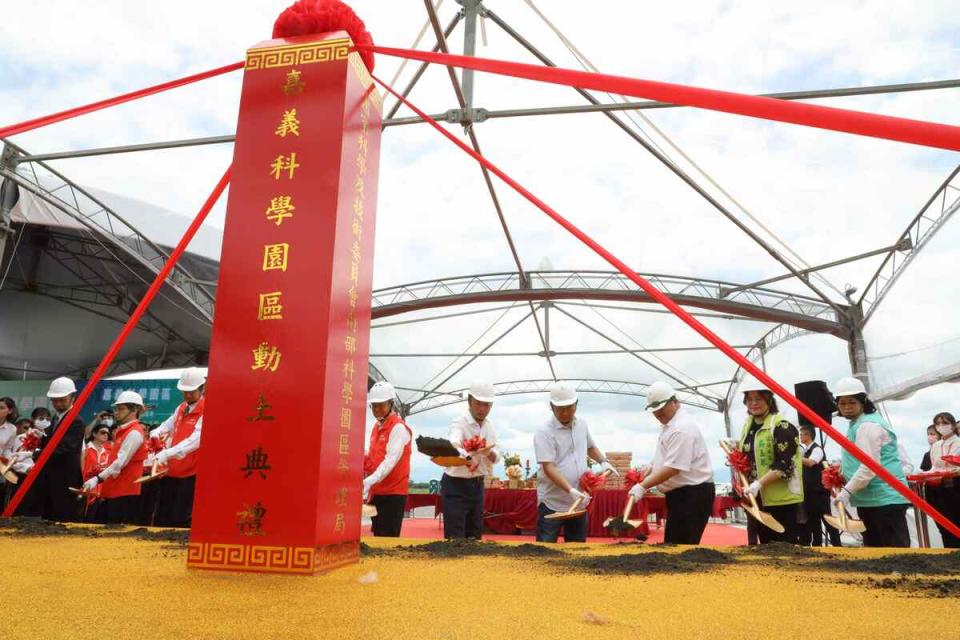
(474, 444)
(929, 134)
(633, 477)
(832, 478)
(118, 343)
(590, 482)
(36, 123)
(692, 322)
(739, 461)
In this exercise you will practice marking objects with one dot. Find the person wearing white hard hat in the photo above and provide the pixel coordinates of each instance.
(881, 508)
(681, 468)
(776, 463)
(562, 447)
(117, 482)
(386, 464)
(181, 432)
(461, 488)
(53, 498)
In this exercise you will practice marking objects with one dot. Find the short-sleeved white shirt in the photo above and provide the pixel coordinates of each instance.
(566, 447)
(681, 446)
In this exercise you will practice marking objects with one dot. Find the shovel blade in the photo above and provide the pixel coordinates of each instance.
(565, 515)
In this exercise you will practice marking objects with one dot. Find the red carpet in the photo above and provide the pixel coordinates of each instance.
(717, 535)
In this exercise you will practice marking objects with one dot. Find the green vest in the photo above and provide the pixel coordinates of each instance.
(877, 493)
(779, 492)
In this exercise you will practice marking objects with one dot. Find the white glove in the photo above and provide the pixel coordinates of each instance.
(367, 483)
(161, 457)
(843, 498)
(576, 493)
(754, 488)
(91, 484)
(606, 466)
(637, 491)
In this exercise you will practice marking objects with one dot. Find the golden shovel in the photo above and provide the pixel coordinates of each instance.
(368, 511)
(7, 474)
(843, 522)
(751, 507)
(573, 512)
(155, 474)
(619, 524)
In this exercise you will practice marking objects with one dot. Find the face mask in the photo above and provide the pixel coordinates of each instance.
(41, 424)
(945, 430)
(932, 439)
(108, 422)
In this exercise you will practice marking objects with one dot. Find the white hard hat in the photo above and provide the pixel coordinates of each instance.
(562, 394)
(848, 387)
(191, 379)
(61, 387)
(752, 384)
(381, 392)
(659, 394)
(482, 391)
(129, 397)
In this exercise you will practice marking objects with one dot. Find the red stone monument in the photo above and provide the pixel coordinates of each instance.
(279, 479)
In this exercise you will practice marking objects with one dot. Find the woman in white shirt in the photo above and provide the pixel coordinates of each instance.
(946, 498)
(8, 438)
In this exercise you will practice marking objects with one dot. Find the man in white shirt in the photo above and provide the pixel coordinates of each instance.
(562, 447)
(461, 488)
(681, 468)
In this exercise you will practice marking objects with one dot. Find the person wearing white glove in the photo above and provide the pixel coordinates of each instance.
(117, 482)
(772, 444)
(182, 432)
(562, 447)
(882, 509)
(387, 462)
(681, 468)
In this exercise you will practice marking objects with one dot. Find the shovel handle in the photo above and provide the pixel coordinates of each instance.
(575, 505)
(631, 501)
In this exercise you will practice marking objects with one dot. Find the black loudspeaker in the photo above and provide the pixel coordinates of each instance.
(814, 394)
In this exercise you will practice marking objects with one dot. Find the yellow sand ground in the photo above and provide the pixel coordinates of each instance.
(66, 587)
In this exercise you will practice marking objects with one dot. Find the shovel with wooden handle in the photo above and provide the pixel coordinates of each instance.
(844, 522)
(751, 507)
(155, 474)
(368, 511)
(573, 512)
(616, 525)
(6, 470)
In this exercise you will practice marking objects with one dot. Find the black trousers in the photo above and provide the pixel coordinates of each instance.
(389, 516)
(811, 534)
(886, 526)
(688, 511)
(787, 515)
(946, 500)
(574, 530)
(462, 507)
(121, 510)
(58, 503)
(175, 501)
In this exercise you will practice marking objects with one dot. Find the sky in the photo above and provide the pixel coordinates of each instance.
(827, 195)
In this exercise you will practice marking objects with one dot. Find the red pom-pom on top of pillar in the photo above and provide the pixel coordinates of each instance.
(280, 473)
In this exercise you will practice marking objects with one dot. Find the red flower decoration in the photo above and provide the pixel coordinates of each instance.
(30, 442)
(590, 482)
(739, 461)
(474, 444)
(306, 17)
(633, 477)
(155, 445)
(832, 478)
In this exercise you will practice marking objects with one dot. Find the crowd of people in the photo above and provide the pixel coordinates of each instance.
(783, 467)
(94, 473)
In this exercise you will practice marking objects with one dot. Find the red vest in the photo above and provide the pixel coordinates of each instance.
(93, 462)
(397, 482)
(182, 428)
(123, 484)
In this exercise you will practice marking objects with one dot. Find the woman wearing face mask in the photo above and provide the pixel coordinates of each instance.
(41, 419)
(932, 436)
(947, 496)
(882, 509)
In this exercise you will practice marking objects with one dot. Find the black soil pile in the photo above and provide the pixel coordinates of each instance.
(465, 548)
(920, 587)
(691, 561)
(37, 528)
(780, 550)
(906, 564)
(367, 551)
(176, 536)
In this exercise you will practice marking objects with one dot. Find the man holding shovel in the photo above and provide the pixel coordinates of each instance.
(681, 468)
(562, 447)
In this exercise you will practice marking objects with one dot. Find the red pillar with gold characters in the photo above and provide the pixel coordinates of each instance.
(279, 478)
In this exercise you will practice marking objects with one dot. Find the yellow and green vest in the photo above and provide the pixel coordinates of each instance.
(779, 492)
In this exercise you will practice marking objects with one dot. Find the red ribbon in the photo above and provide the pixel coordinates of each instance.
(739, 461)
(155, 445)
(30, 442)
(474, 444)
(832, 478)
(633, 477)
(929, 134)
(590, 482)
(692, 322)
